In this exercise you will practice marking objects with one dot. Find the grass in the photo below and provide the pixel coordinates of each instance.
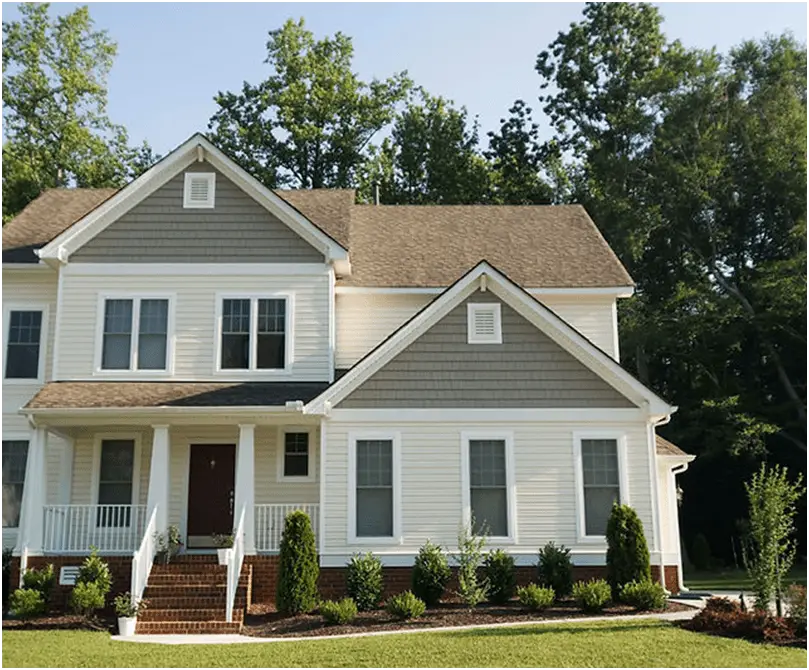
(732, 579)
(641, 643)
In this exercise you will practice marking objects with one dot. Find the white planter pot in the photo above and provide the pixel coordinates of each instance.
(224, 555)
(126, 625)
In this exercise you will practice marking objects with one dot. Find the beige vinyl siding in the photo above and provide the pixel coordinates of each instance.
(441, 369)
(364, 320)
(160, 230)
(431, 482)
(195, 325)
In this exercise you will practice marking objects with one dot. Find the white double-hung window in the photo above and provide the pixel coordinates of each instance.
(374, 489)
(487, 474)
(601, 481)
(135, 334)
(255, 332)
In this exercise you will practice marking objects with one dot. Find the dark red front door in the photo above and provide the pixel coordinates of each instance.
(211, 477)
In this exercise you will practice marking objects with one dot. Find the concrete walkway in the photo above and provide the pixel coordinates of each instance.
(245, 639)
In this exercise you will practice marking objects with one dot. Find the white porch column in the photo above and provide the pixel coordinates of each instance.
(32, 516)
(159, 476)
(245, 485)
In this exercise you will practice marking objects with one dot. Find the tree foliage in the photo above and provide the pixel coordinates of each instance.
(627, 552)
(298, 569)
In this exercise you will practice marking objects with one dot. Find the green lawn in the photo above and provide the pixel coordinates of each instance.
(645, 642)
(733, 580)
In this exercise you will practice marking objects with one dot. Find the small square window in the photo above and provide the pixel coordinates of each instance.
(199, 190)
(483, 323)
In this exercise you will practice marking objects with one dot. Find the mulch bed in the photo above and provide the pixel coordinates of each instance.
(61, 622)
(273, 624)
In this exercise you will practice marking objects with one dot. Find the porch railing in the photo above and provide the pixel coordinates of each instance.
(269, 520)
(73, 529)
(143, 559)
(234, 568)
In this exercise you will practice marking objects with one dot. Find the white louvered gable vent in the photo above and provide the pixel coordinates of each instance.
(483, 323)
(68, 575)
(199, 190)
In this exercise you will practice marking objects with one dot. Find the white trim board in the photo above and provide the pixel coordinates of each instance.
(616, 291)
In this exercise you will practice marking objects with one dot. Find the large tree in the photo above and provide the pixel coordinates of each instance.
(307, 125)
(56, 129)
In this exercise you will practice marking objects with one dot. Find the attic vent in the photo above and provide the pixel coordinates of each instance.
(199, 190)
(483, 323)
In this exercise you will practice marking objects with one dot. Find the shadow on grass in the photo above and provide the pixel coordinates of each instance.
(573, 628)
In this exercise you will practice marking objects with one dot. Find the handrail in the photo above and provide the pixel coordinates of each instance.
(143, 559)
(234, 566)
(112, 529)
(23, 562)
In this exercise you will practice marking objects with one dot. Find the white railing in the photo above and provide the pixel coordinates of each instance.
(143, 559)
(235, 561)
(23, 562)
(270, 523)
(73, 529)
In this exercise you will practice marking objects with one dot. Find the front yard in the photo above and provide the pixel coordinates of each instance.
(641, 643)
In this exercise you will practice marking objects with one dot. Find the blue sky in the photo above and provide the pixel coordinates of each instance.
(172, 57)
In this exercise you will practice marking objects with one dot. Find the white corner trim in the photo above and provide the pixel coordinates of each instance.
(324, 437)
(280, 453)
(472, 311)
(210, 183)
(98, 438)
(396, 440)
(33, 306)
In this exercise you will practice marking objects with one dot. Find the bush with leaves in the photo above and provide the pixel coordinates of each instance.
(42, 580)
(644, 596)
(7, 558)
(431, 573)
(592, 596)
(536, 598)
(86, 598)
(555, 569)
(27, 603)
(298, 566)
(498, 567)
(723, 617)
(471, 588)
(796, 599)
(627, 552)
(405, 606)
(364, 581)
(124, 607)
(96, 571)
(338, 612)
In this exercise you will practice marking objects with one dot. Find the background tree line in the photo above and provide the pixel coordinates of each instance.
(691, 162)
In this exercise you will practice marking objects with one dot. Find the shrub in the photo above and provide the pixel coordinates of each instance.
(499, 570)
(86, 598)
(430, 574)
(338, 611)
(627, 553)
(726, 618)
(364, 581)
(406, 606)
(7, 558)
(471, 589)
(298, 569)
(95, 571)
(555, 569)
(124, 607)
(27, 603)
(42, 580)
(700, 552)
(536, 598)
(644, 596)
(592, 596)
(796, 599)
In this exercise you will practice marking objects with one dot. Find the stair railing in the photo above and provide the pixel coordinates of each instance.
(143, 559)
(234, 566)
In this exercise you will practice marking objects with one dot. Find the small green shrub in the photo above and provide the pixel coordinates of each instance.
(431, 574)
(124, 607)
(627, 552)
(796, 599)
(406, 606)
(336, 612)
(7, 558)
(27, 603)
(364, 581)
(42, 580)
(723, 617)
(498, 567)
(536, 598)
(592, 596)
(94, 570)
(86, 598)
(555, 569)
(700, 552)
(471, 588)
(298, 566)
(644, 596)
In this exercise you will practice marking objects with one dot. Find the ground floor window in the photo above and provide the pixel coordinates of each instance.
(115, 482)
(375, 486)
(600, 482)
(15, 457)
(487, 485)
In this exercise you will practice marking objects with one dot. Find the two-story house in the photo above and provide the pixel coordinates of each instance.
(197, 350)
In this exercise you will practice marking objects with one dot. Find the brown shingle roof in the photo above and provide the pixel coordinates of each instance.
(666, 448)
(75, 395)
(328, 209)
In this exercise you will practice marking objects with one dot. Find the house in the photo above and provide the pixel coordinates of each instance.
(197, 350)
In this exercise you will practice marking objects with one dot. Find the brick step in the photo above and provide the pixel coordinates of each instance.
(190, 581)
(187, 627)
(186, 614)
(189, 569)
(163, 590)
(193, 602)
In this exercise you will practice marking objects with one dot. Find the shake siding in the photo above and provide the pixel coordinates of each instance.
(363, 321)
(431, 483)
(160, 230)
(196, 339)
(440, 369)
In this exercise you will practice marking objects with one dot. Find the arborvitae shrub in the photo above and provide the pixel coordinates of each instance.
(336, 612)
(42, 580)
(700, 552)
(499, 570)
(431, 573)
(592, 596)
(298, 567)
(644, 596)
(627, 553)
(406, 606)
(364, 581)
(555, 569)
(27, 603)
(535, 598)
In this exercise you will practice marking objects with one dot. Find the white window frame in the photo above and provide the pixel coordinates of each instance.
(472, 308)
(132, 370)
(98, 438)
(578, 469)
(251, 370)
(511, 486)
(281, 453)
(396, 439)
(43, 339)
(19, 437)
(210, 177)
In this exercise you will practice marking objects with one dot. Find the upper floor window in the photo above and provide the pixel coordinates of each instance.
(23, 344)
(199, 190)
(135, 333)
(599, 462)
(254, 334)
(15, 456)
(483, 323)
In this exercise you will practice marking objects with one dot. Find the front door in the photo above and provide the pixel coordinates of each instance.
(211, 476)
